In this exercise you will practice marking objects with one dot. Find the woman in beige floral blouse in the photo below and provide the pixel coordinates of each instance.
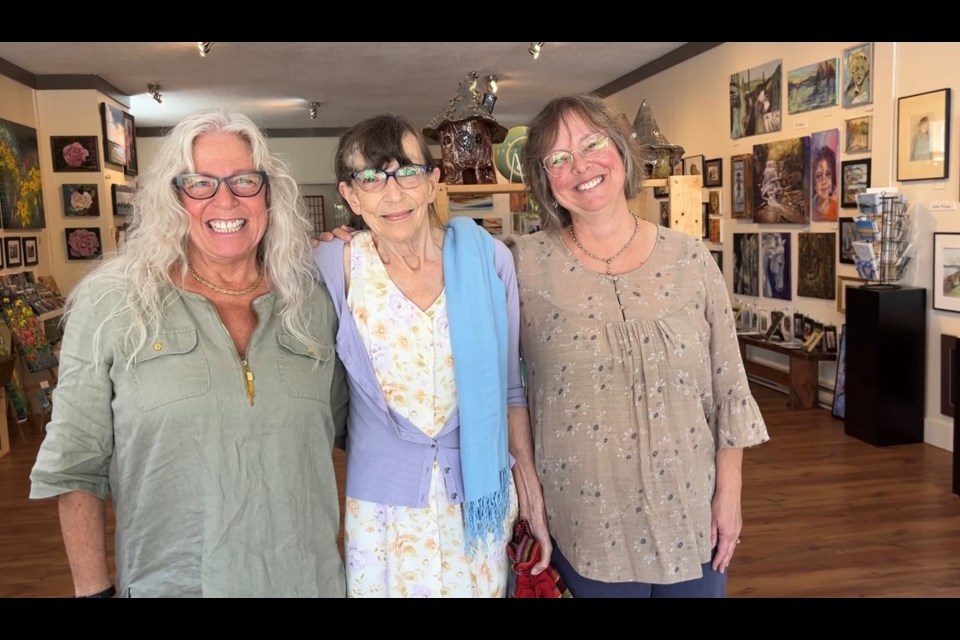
(639, 401)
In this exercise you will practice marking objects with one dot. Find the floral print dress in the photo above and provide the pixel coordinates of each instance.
(405, 552)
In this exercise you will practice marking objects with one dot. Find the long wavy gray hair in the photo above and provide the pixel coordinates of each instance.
(154, 255)
(542, 133)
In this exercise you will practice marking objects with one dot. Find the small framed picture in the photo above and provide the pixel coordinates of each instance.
(923, 136)
(83, 243)
(946, 271)
(122, 199)
(741, 192)
(858, 75)
(11, 252)
(857, 134)
(30, 254)
(81, 200)
(665, 214)
(713, 172)
(693, 166)
(130, 147)
(661, 192)
(844, 283)
(854, 180)
(114, 135)
(718, 258)
(75, 153)
(847, 237)
(705, 219)
(830, 339)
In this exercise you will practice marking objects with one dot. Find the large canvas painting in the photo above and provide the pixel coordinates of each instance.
(775, 251)
(812, 87)
(755, 100)
(781, 181)
(825, 176)
(21, 197)
(816, 265)
(746, 264)
(857, 75)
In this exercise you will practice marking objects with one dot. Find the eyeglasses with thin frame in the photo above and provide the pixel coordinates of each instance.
(407, 176)
(200, 186)
(560, 162)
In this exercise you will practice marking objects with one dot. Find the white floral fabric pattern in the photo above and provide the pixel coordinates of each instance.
(635, 381)
(407, 552)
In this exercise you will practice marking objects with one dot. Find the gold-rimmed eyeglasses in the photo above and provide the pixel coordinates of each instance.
(560, 162)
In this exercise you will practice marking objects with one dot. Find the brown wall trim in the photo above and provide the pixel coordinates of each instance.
(14, 72)
(54, 82)
(675, 57)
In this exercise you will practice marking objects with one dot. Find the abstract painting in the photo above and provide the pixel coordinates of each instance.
(812, 87)
(21, 196)
(746, 264)
(816, 265)
(755, 100)
(781, 181)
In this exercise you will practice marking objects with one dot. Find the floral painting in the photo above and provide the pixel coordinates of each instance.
(21, 196)
(28, 334)
(80, 200)
(75, 153)
(83, 243)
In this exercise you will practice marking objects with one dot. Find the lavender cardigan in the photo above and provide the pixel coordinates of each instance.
(389, 459)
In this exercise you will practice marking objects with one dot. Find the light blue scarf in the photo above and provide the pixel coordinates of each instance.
(477, 311)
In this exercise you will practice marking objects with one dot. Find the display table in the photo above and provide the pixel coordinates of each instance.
(803, 378)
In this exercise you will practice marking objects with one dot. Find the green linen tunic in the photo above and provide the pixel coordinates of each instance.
(213, 497)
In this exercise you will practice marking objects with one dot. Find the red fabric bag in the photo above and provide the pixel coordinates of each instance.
(524, 553)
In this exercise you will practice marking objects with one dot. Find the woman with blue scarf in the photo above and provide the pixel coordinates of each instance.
(439, 448)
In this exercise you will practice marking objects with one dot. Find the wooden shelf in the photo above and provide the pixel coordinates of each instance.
(446, 190)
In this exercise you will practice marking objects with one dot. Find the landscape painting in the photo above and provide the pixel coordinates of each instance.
(812, 87)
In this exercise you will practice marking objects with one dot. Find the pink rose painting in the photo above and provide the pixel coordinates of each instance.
(80, 200)
(83, 243)
(75, 153)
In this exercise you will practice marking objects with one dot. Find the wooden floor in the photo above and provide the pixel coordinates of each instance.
(825, 515)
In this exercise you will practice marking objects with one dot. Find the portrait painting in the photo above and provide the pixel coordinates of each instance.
(857, 134)
(816, 265)
(21, 195)
(923, 136)
(812, 87)
(781, 182)
(75, 154)
(713, 172)
(746, 264)
(775, 252)
(741, 191)
(755, 100)
(857, 75)
(825, 176)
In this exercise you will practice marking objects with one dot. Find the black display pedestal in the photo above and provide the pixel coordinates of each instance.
(886, 364)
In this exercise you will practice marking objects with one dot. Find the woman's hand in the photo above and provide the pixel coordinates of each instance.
(726, 520)
(343, 232)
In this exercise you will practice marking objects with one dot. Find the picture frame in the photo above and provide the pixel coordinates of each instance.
(30, 252)
(813, 86)
(665, 214)
(946, 271)
(81, 200)
(857, 80)
(705, 219)
(75, 154)
(83, 243)
(713, 199)
(857, 134)
(718, 258)
(12, 257)
(830, 339)
(847, 236)
(131, 168)
(854, 180)
(839, 408)
(693, 166)
(923, 136)
(661, 192)
(122, 199)
(114, 135)
(843, 283)
(948, 385)
(741, 191)
(713, 172)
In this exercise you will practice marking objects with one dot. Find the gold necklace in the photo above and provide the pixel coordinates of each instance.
(608, 261)
(229, 292)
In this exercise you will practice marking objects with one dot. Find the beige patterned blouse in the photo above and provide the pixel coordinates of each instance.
(634, 382)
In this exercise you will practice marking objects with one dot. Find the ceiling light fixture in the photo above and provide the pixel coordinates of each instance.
(315, 109)
(492, 83)
(204, 48)
(153, 90)
(535, 49)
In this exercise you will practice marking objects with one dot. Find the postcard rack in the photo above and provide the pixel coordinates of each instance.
(882, 244)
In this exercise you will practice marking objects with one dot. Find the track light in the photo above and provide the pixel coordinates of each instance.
(153, 90)
(492, 83)
(535, 49)
(204, 48)
(315, 109)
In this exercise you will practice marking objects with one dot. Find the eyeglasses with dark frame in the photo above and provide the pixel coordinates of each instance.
(407, 176)
(201, 186)
(560, 162)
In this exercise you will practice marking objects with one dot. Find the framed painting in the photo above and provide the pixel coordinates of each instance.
(705, 219)
(718, 258)
(844, 283)
(75, 153)
(713, 199)
(83, 243)
(31, 257)
(80, 200)
(746, 264)
(813, 86)
(130, 144)
(114, 135)
(775, 253)
(122, 199)
(854, 180)
(858, 75)
(840, 385)
(755, 100)
(857, 134)
(713, 172)
(817, 265)
(665, 214)
(741, 192)
(661, 192)
(946, 271)
(923, 136)
(948, 383)
(824, 184)
(693, 166)
(21, 192)
(11, 252)
(847, 237)
(781, 182)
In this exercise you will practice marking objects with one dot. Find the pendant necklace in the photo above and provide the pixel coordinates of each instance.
(608, 261)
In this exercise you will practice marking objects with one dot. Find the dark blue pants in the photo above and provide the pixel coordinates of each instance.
(711, 585)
